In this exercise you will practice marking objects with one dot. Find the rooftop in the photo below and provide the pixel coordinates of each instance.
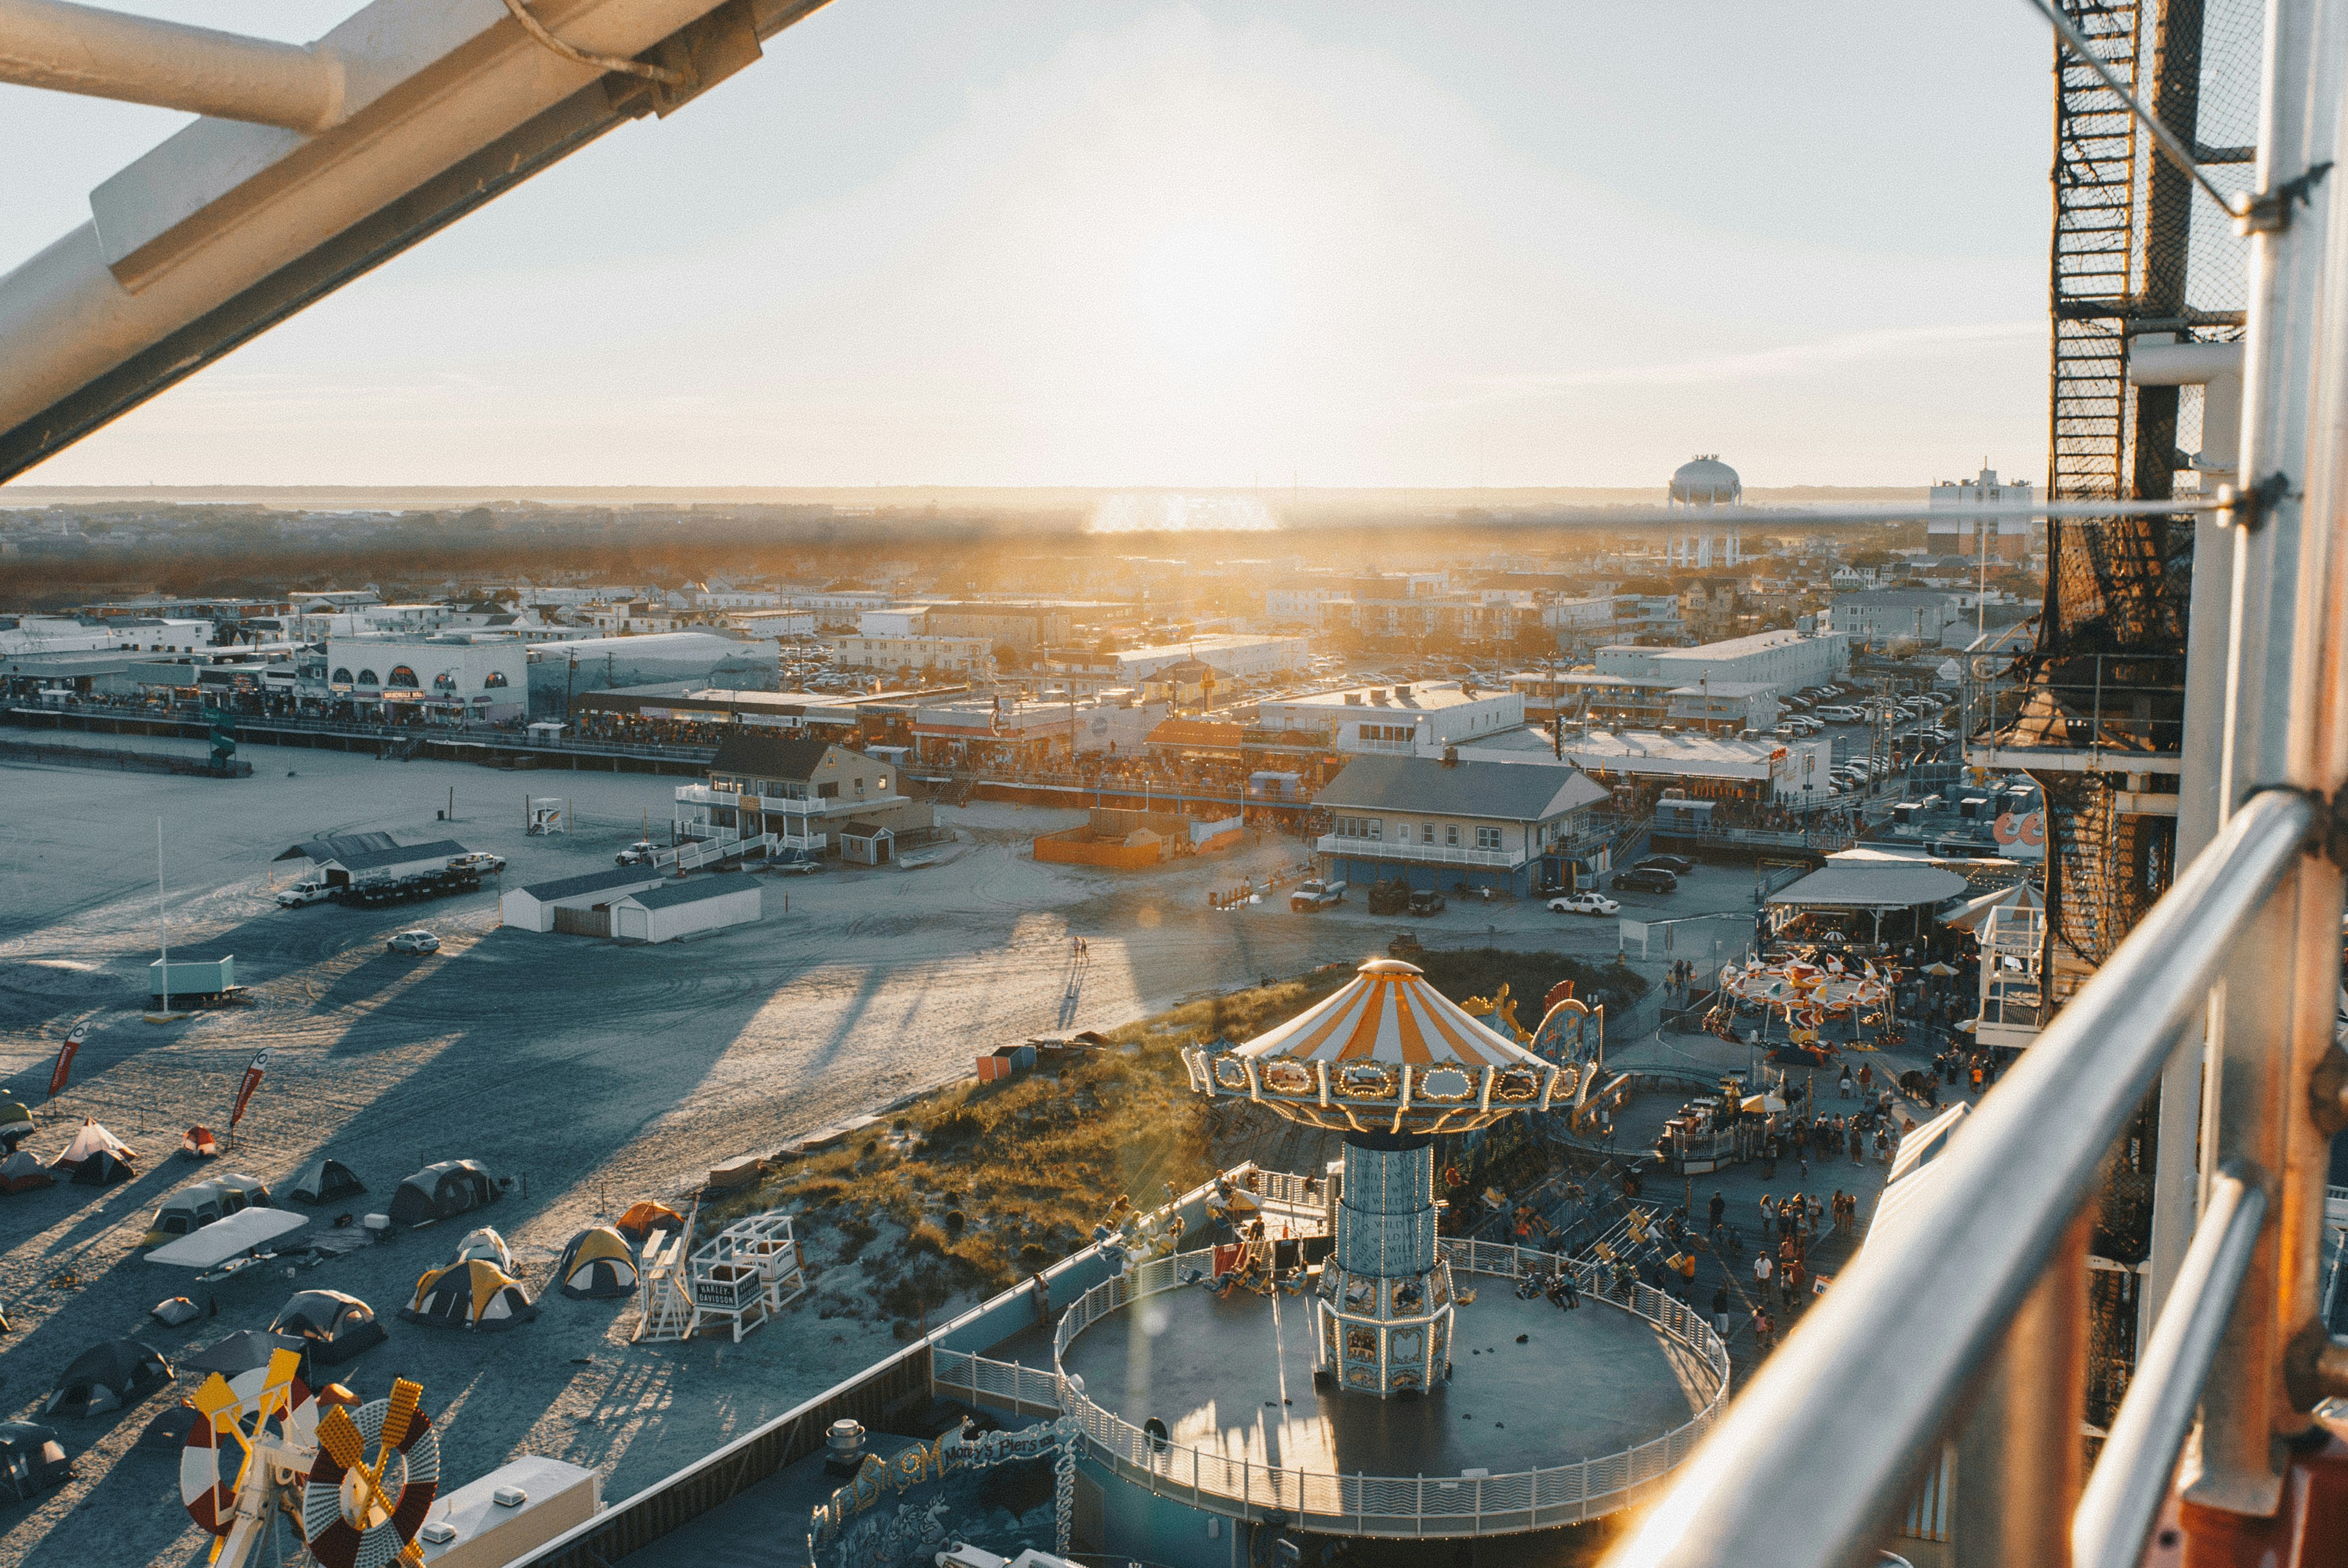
(768, 756)
(1424, 697)
(695, 889)
(1599, 746)
(1467, 788)
(592, 881)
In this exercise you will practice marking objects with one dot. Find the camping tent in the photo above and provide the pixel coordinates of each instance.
(473, 1294)
(168, 1433)
(174, 1311)
(103, 1169)
(21, 1172)
(16, 1124)
(442, 1192)
(322, 1181)
(198, 1143)
(227, 1238)
(32, 1461)
(92, 1139)
(645, 1217)
(332, 1327)
(597, 1263)
(239, 1352)
(107, 1377)
(199, 1204)
(487, 1246)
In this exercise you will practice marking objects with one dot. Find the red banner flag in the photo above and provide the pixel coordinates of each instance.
(252, 1081)
(64, 1068)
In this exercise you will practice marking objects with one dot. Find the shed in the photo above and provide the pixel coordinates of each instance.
(867, 843)
(688, 908)
(570, 902)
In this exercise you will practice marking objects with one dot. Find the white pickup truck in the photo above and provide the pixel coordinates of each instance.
(301, 893)
(1308, 896)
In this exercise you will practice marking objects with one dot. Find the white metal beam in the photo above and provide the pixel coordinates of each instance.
(229, 226)
(141, 60)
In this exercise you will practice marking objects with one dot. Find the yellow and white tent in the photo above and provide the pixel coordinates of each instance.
(597, 1264)
(471, 1295)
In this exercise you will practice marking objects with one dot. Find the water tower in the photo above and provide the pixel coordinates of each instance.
(1702, 487)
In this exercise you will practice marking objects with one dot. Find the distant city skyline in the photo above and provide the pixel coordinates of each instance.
(1214, 247)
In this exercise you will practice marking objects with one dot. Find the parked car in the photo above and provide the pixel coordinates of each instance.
(1644, 879)
(1309, 897)
(480, 860)
(1841, 715)
(637, 854)
(1583, 904)
(416, 941)
(303, 893)
(1427, 901)
(796, 866)
(1677, 864)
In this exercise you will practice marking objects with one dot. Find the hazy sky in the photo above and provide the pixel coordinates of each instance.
(1099, 242)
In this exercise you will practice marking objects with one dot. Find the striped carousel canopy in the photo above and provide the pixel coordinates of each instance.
(1387, 1052)
(1388, 1012)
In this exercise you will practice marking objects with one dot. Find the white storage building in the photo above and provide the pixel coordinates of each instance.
(535, 908)
(674, 909)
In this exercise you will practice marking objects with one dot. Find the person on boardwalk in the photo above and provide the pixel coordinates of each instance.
(1720, 1311)
(1718, 1208)
(1764, 1266)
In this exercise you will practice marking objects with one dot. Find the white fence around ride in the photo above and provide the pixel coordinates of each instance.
(1358, 1504)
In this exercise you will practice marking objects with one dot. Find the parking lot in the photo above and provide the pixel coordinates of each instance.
(592, 1073)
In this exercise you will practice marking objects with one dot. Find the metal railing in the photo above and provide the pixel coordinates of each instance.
(1357, 1505)
(1423, 854)
(1825, 1448)
(1963, 1322)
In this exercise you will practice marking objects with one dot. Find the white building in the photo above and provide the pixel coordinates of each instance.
(1890, 614)
(1242, 656)
(687, 908)
(534, 907)
(485, 679)
(1794, 772)
(973, 657)
(1410, 721)
(897, 620)
(1786, 661)
(1951, 528)
(21, 635)
(777, 624)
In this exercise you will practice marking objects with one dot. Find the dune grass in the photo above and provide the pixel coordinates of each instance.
(981, 1184)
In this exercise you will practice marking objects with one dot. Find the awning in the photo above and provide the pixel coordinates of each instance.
(235, 1236)
(1872, 884)
(1976, 912)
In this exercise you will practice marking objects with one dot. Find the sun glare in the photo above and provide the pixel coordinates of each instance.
(1206, 292)
(1172, 514)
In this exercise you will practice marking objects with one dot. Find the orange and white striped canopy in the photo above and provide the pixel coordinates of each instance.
(1389, 1013)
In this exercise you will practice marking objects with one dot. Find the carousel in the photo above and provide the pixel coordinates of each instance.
(1389, 1061)
(1807, 990)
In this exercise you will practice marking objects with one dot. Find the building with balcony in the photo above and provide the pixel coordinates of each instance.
(803, 791)
(1401, 721)
(1512, 827)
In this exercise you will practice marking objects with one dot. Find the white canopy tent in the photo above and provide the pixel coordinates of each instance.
(221, 1240)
